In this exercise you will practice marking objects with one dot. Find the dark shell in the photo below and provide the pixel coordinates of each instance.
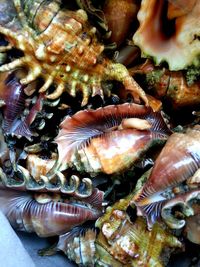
(13, 96)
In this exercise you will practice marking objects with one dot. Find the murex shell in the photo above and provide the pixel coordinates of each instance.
(169, 31)
(108, 139)
(178, 161)
(60, 47)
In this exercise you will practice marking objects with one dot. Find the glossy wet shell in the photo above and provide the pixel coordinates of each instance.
(46, 219)
(91, 141)
(178, 160)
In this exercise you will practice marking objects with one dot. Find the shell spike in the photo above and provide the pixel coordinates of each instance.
(34, 72)
(8, 32)
(21, 15)
(85, 95)
(12, 65)
(119, 72)
(58, 92)
(5, 48)
(85, 188)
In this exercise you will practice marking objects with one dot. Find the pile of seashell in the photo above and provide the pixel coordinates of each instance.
(100, 134)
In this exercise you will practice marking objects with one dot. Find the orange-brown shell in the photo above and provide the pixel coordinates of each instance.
(120, 16)
(63, 50)
(171, 85)
(38, 166)
(93, 140)
(174, 41)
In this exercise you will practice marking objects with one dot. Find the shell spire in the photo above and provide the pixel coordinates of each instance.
(178, 161)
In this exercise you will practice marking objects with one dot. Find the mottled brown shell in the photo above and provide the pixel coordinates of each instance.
(120, 16)
(61, 47)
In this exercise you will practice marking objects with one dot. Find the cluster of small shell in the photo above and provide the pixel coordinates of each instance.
(94, 147)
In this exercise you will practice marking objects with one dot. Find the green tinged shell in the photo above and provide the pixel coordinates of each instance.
(122, 242)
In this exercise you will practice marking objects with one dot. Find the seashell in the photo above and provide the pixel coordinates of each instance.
(79, 245)
(176, 86)
(61, 47)
(38, 166)
(95, 140)
(178, 161)
(23, 181)
(13, 99)
(179, 8)
(97, 14)
(192, 229)
(166, 36)
(194, 181)
(4, 151)
(49, 219)
(131, 244)
(120, 14)
(127, 54)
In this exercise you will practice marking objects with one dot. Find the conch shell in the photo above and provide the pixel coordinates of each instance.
(46, 216)
(169, 32)
(178, 161)
(108, 139)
